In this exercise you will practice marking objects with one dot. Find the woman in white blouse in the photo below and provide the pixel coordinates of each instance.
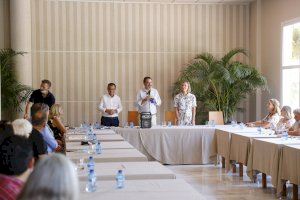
(287, 120)
(185, 105)
(295, 129)
(272, 118)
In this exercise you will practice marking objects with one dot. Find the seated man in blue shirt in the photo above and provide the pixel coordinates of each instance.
(46, 132)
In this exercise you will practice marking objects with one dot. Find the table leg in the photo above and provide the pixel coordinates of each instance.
(264, 180)
(241, 169)
(223, 162)
(284, 189)
(295, 192)
(233, 168)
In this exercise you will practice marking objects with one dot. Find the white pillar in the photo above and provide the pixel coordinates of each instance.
(20, 25)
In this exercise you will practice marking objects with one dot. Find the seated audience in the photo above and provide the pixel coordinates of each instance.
(287, 120)
(295, 129)
(16, 164)
(271, 120)
(6, 130)
(56, 124)
(39, 120)
(22, 127)
(47, 133)
(54, 177)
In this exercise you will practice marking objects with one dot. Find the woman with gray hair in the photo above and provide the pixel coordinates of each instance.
(22, 127)
(287, 120)
(295, 129)
(54, 178)
(185, 105)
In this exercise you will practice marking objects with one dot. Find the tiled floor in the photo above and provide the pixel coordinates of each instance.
(214, 183)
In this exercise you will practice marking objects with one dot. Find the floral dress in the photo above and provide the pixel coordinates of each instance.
(185, 105)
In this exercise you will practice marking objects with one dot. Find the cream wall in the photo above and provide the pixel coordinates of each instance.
(273, 14)
(83, 45)
(4, 24)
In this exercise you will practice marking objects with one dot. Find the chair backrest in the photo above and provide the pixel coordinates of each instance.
(217, 116)
(170, 116)
(133, 116)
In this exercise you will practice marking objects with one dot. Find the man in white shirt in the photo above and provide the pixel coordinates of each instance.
(148, 99)
(110, 106)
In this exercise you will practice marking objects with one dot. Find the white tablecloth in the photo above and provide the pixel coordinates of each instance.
(110, 155)
(103, 138)
(96, 131)
(76, 146)
(265, 157)
(132, 170)
(174, 145)
(175, 189)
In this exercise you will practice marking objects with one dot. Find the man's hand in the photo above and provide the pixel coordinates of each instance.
(146, 99)
(110, 111)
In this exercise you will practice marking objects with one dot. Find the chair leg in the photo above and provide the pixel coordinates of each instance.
(264, 180)
(233, 168)
(223, 162)
(241, 169)
(295, 192)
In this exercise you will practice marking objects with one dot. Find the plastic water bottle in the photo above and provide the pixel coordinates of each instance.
(285, 135)
(120, 178)
(91, 184)
(94, 140)
(131, 125)
(259, 129)
(91, 163)
(213, 124)
(98, 147)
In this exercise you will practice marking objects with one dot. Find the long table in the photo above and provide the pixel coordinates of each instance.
(132, 170)
(176, 189)
(102, 138)
(110, 155)
(265, 157)
(76, 146)
(174, 145)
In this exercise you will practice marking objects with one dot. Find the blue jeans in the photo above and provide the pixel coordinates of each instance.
(110, 121)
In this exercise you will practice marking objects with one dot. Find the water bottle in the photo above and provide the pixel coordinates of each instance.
(131, 125)
(259, 129)
(91, 163)
(169, 124)
(120, 178)
(91, 184)
(285, 135)
(94, 138)
(233, 123)
(98, 148)
(213, 124)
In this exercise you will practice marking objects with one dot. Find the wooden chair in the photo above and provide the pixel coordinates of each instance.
(170, 116)
(217, 116)
(133, 116)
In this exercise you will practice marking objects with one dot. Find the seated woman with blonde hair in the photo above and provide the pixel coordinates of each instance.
(287, 120)
(295, 129)
(271, 120)
(56, 124)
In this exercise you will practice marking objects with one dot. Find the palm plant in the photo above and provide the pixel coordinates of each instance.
(220, 84)
(13, 93)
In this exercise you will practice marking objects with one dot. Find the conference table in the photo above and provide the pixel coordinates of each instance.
(266, 156)
(132, 170)
(76, 146)
(174, 189)
(102, 138)
(80, 131)
(174, 145)
(289, 167)
(110, 155)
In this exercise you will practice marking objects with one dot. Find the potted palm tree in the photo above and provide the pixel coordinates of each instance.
(220, 84)
(13, 93)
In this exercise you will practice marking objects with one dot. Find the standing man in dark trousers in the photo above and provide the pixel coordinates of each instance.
(110, 106)
(42, 95)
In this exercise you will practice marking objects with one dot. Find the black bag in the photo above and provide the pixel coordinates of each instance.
(146, 118)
